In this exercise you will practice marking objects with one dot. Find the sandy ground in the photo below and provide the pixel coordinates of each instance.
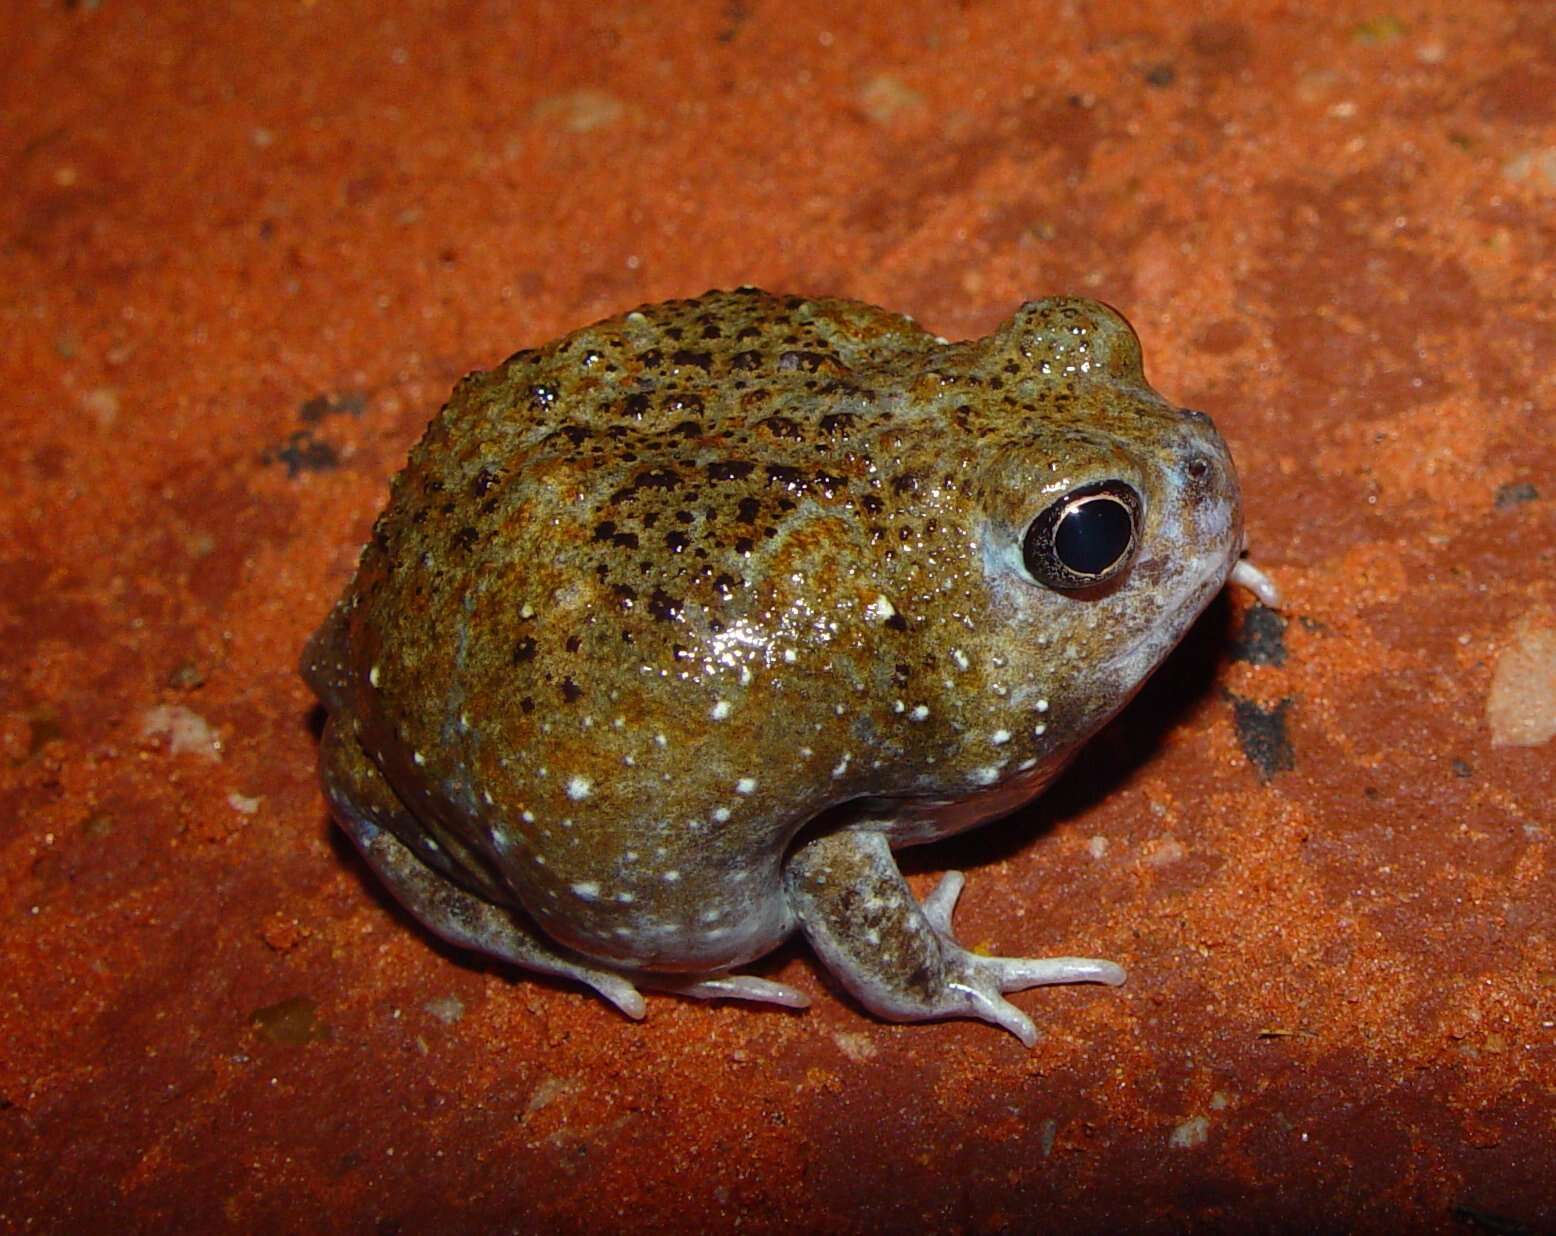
(245, 250)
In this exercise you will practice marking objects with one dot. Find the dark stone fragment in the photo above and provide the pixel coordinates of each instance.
(1516, 494)
(302, 452)
(320, 407)
(1262, 735)
(1262, 641)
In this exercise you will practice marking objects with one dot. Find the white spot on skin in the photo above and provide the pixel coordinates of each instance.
(373, 676)
(720, 710)
(960, 658)
(919, 713)
(626, 899)
(898, 706)
(842, 765)
(987, 775)
(579, 789)
(1039, 730)
(418, 758)
(1000, 737)
(720, 814)
(790, 656)
(527, 816)
(661, 741)
(746, 785)
(880, 609)
(527, 612)
(671, 876)
(1041, 705)
(745, 676)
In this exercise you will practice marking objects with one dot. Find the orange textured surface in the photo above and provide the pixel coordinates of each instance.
(245, 251)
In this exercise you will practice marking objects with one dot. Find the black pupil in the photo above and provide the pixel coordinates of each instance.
(1093, 535)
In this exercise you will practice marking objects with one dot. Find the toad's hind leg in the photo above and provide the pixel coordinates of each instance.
(368, 811)
(899, 958)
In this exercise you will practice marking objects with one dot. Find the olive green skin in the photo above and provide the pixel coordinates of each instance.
(654, 603)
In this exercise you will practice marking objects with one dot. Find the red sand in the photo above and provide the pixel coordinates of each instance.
(246, 249)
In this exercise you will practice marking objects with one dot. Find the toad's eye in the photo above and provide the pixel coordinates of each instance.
(1085, 538)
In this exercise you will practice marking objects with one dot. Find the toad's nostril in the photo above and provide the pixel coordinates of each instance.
(1198, 466)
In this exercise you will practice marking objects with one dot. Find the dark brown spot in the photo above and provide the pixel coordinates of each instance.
(730, 470)
(745, 361)
(665, 607)
(635, 406)
(574, 643)
(571, 691)
(747, 509)
(657, 478)
(675, 542)
(684, 403)
(484, 480)
(698, 360)
(809, 362)
(789, 478)
(781, 427)
(465, 538)
(524, 651)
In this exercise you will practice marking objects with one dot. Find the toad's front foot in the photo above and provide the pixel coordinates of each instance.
(982, 981)
(900, 959)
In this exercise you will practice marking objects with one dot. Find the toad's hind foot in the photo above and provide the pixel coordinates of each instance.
(367, 810)
(726, 987)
